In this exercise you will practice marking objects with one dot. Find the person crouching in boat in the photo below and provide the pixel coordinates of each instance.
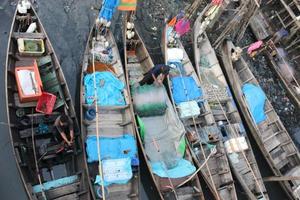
(64, 126)
(155, 75)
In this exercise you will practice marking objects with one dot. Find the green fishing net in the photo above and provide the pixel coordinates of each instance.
(149, 100)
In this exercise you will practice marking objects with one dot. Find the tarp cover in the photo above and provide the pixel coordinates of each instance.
(108, 8)
(183, 168)
(109, 89)
(116, 171)
(185, 89)
(256, 99)
(111, 148)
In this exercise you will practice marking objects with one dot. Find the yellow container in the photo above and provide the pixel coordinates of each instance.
(31, 47)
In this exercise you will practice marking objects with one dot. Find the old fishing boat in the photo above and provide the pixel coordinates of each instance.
(280, 32)
(267, 129)
(215, 86)
(189, 101)
(160, 130)
(37, 95)
(107, 123)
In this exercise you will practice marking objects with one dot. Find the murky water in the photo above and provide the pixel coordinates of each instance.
(68, 22)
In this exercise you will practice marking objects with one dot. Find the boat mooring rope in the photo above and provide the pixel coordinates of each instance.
(97, 125)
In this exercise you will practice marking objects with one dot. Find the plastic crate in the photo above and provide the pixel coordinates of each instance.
(46, 103)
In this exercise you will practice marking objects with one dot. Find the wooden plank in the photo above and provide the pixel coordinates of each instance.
(106, 107)
(59, 192)
(23, 105)
(73, 196)
(27, 132)
(281, 178)
(17, 35)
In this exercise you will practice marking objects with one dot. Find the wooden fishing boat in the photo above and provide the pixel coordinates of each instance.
(49, 168)
(263, 29)
(113, 121)
(138, 62)
(205, 141)
(271, 136)
(244, 165)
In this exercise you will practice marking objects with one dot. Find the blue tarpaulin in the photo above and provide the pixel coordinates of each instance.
(109, 89)
(55, 183)
(111, 148)
(256, 99)
(185, 89)
(183, 168)
(108, 8)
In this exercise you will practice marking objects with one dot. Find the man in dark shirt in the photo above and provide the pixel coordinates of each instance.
(64, 126)
(152, 75)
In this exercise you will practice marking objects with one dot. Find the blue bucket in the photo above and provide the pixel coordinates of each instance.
(90, 114)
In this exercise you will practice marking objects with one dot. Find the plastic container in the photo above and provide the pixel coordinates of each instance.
(31, 47)
(46, 103)
(37, 79)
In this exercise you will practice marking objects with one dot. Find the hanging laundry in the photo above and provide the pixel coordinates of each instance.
(108, 88)
(108, 9)
(127, 5)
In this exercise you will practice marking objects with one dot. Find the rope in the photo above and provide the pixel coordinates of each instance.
(36, 162)
(97, 125)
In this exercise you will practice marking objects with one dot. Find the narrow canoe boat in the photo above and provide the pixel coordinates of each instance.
(206, 145)
(261, 28)
(226, 115)
(267, 129)
(48, 167)
(109, 120)
(157, 134)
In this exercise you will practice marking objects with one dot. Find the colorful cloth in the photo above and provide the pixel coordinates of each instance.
(127, 5)
(254, 46)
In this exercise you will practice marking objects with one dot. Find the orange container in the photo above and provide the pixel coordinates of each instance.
(25, 78)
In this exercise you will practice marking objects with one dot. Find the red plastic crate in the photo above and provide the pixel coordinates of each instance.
(46, 103)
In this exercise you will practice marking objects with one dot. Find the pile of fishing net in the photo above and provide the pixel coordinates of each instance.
(149, 100)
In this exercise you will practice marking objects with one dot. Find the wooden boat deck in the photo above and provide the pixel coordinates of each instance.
(138, 62)
(225, 112)
(113, 121)
(24, 138)
(216, 172)
(271, 136)
(264, 25)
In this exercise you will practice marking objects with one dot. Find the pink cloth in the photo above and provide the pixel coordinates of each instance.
(182, 26)
(217, 2)
(254, 46)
